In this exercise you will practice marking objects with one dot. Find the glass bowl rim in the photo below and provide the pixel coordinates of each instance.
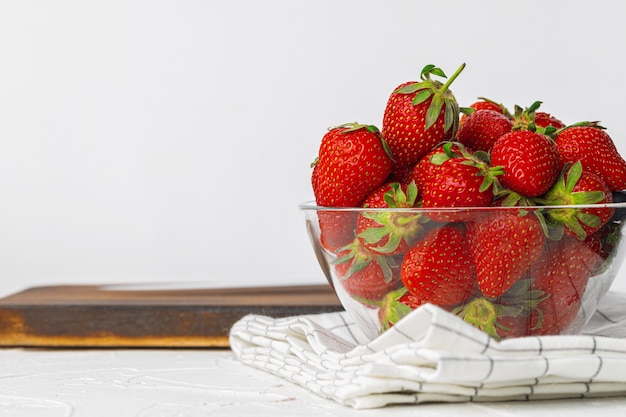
(313, 206)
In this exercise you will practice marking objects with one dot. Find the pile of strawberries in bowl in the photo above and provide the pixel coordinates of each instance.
(511, 220)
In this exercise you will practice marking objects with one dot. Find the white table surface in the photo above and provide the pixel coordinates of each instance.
(202, 382)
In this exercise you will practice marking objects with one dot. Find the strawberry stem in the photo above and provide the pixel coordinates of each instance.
(450, 80)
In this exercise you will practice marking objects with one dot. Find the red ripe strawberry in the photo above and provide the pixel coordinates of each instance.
(597, 152)
(488, 104)
(548, 320)
(337, 228)
(483, 104)
(561, 274)
(503, 245)
(530, 162)
(424, 171)
(459, 181)
(439, 268)
(352, 161)
(482, 128)
(457, 184)
(576, 186)
(387, 232)
(364, 275)
(418, 116)
(543, 120)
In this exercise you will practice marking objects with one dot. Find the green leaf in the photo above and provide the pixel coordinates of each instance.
(575, 226)
(533, 107)
(385, 267)
(438, 72)
(434, 110)
(356, 267)
(410, 88)
(412, 192)
(588, 197)
(373, 235)
(573, 175)
(588, 219)
(439, 158)
(467, 110)
(422, 96)
(391, 245)
(448, 116)
(487, 182)
(511, 199)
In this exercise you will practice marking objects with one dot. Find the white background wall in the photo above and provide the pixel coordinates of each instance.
(156, 141)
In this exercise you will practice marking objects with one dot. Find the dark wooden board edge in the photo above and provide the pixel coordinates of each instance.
(92, 316)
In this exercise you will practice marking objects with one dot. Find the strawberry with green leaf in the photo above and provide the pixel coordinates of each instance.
(595, 149)
(530, 118)
(352, 161)
(419, 115)
(439, 268)
(423, 172)
(458, 179)
(390, 232)
(577, 186)
(506, 316)
(364, 274)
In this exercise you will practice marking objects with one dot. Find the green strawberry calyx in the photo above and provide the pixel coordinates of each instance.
(524, 118)
(390, 309)
(396, 226)
(441, 96)
(562, 194)
(360, 257)
(355, 126)
(469, 110)
(485, 313)
(351, 127)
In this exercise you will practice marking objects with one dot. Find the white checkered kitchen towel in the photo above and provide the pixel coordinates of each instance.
(432, 355)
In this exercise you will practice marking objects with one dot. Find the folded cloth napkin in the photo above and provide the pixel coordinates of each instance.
(434, 356)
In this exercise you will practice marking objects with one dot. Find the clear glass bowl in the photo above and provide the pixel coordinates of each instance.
(471, 262)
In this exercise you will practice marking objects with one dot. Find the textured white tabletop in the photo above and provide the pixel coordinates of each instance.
(201, 382)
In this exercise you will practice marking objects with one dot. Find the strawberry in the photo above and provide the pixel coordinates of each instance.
(387, 232)
(394, 306)
(505, 316)
(536, 121)
(503, 245)
(482, 128)
(597, 152)
(423, 172)
(337, 228)
(484, 104)
(457, 184)
(439, 268)
(576, 186)
(352, 161)
(530, 162)
(418, 116)
(561, 273)
(459, 181)
(364, 275)
(543, 120)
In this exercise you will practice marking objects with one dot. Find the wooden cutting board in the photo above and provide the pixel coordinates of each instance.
(97, 316)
